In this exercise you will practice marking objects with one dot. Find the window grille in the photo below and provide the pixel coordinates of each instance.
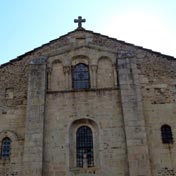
(80, 77)
(166, 134)
(84, 147)
(6, 147)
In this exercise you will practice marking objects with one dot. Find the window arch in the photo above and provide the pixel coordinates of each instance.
(6, 147)
(166, 134)
(80, 76)
(84, 147)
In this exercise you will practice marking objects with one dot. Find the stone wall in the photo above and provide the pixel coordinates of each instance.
(100, 106)
(157, 76)
(13, 88)
(104, 107)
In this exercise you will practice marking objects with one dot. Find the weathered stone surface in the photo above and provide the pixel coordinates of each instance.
(132, 94)
(35, 116)
(134, 122)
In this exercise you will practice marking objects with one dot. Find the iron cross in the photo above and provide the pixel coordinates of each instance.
(79, 21)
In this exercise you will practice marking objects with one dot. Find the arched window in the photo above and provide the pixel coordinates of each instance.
(6, 147)
(166, 134)
(81, 77)
(84, 147)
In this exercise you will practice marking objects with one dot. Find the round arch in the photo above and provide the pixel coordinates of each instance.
(10, 134)
(80, 59)
(75, 125)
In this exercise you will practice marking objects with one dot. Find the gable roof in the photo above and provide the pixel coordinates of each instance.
(91, 32)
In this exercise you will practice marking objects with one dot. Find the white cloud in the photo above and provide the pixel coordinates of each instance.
(143, 29)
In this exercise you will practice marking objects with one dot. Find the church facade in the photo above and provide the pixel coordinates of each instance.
(88, 105)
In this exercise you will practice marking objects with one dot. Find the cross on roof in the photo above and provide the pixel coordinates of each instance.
(79, 21)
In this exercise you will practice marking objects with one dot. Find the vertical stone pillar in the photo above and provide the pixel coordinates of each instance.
(135, 129)
(94, 76)
(115, 74)
(67, 71)
(49, 71)
(33, 147)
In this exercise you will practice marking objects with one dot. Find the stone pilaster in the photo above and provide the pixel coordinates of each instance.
(94, 76)
(33, 148)
(49, 71)
(67, 71)
(131, 99)
(115, 74)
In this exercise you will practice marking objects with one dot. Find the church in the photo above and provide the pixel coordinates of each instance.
(86, 104)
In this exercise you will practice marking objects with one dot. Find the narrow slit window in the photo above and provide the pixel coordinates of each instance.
(166, 134)
(84, 147)
(80, 77)
(6, 147)
(9, 93)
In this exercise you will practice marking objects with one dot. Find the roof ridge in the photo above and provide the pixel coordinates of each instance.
(89, 31)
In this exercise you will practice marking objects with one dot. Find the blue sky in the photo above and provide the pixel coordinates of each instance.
(27, 24)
